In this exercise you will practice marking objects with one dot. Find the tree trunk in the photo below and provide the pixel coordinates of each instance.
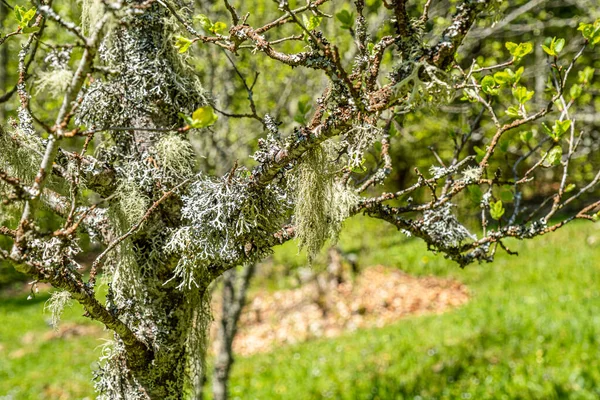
(152, 85)
(234, 299)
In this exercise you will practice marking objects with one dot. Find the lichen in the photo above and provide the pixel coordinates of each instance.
(314, 199)
(175, 156)
(56, 305)
(223, 221)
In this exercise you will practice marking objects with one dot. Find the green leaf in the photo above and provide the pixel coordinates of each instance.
(311, 22)
(496, 210)
(370, 47)
(590, 32)
(555, 46)
(346, 18)
(570, 187)
(575, 91)
(218, 27)
(475, 194)
(560, 128)
(19, 13)
(182, 43)
(480, 153)
(470, 95)
(188, 120)
(512, 47)
(506, 194)
(502, 77)
(204, 21)
(559, 44)
(549, 51)
(554, 157)
(508, 76)
(519, 50)
(522, 94)
(488, 85)
(359, 169)
(512, 111)
(585, 77)
(503, 145)
(526, 136)
(203, 117)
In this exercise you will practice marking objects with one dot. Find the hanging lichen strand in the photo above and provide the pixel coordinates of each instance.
(149, 87)
(322, 204)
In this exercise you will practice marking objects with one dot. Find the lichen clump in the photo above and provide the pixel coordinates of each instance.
(224, 222)
(322, 204)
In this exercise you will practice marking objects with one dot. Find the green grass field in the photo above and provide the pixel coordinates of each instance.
(530, 331)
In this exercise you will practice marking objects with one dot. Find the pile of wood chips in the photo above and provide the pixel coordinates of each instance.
(378, 296)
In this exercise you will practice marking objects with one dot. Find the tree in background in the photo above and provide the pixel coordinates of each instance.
(113, 156)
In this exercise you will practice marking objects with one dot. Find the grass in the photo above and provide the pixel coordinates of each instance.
(531, 331)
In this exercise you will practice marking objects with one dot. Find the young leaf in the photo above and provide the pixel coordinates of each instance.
(560, 128)
(346, 18)
(555, 46)
(559, 45)
(575, 91)
(182, 43)
(522, 94)
(475, 193)
(590, 32)
(519, 50)
(19, 14)
(204, 117)
(526, 136)
(188, 120)
(487, 85)
(218, 27)
(480, 153)
(586, 76)
(512, 111)
(313, 22)
(204, 21)
(496, 210)
(554, 157)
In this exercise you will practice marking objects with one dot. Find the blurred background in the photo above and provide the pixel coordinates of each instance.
(377, 317)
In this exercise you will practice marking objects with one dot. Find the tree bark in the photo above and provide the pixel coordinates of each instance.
(234, 299)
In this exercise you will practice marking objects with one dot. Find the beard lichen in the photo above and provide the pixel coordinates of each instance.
(56, 305)
(313, 201)
(175, 155)
(322, 203)
(21, 154)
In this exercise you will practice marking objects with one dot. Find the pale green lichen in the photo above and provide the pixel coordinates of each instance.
(91, 12)
(53, 81)
(176, 156)
(56, 305)
(21, 154)
(314, 198)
